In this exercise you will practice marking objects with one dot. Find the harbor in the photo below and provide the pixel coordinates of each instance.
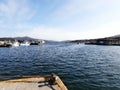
(80, 67)
(97, 70)
(59, 44)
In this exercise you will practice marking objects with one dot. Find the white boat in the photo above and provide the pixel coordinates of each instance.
(25, 44)
(16, 44)
(41, 42)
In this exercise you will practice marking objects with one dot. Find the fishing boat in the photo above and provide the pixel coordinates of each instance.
(5, 44)
(25, 44)
(51, 82)
(16, 44)
(42, 42)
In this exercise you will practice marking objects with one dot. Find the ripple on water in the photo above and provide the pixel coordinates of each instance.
(81, 67)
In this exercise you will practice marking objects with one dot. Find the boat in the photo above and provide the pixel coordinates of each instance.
(25, 44)
(5, 45)
(33, 43)
(16, 44)
(50, 82)
(41, 42)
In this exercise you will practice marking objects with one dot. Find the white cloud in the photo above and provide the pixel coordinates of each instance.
(8, 9)
(16, 9)
(105, 20)
(52, 33)
(77, 7)
(1, 21)
(49, 33)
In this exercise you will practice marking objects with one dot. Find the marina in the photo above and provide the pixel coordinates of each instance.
(17, 43)
(59, 44)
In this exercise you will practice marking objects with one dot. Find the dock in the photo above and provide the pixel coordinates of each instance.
(52, 82)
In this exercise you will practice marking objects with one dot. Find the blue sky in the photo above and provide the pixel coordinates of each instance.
(59, 19)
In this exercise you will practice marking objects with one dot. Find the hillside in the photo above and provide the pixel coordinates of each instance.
(114, 37)
(17, 38)
(113, 40)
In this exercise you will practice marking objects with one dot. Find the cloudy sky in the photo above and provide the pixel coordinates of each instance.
(59, 19)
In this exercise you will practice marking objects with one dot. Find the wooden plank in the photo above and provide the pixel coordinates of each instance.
(28, 79)
(53, 78)
(60, 83)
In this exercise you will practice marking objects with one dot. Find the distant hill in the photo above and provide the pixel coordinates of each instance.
(7, 39)
(111, 37)
(17, 38)
(25, 38)
(114, 37)
(113, 40)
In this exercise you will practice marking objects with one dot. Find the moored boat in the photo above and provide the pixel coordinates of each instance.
(52, 82)
(25, 44)
(5, 45)
(16, 44)
(41, 42)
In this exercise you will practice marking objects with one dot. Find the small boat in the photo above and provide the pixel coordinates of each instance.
(41, 42)
(5, 45)
(16, 44)
(52, 82)
(33, 43)
(25, 44)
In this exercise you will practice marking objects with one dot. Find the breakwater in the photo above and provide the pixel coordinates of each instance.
(102, 41)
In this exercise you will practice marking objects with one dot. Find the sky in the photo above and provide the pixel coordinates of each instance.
(60, 19)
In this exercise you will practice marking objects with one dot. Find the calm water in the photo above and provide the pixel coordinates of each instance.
(81, 67)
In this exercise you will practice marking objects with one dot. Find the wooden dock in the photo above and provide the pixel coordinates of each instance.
(52, 82)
